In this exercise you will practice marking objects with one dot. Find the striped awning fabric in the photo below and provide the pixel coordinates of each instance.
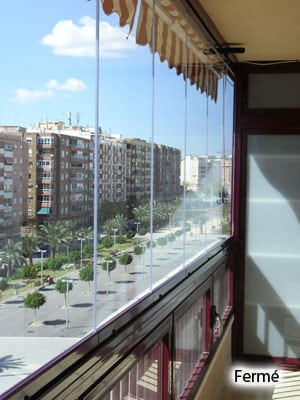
(176, 39)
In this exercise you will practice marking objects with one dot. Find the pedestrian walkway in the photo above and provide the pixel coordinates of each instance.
(25, 346)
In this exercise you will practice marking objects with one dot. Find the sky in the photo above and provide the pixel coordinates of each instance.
(48, 73)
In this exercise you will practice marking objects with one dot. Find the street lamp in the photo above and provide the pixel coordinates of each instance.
(42, 264)
(107, 269)
(115, 230)
(67, 281)
(137, 227)
(170, 220)
(81, 240)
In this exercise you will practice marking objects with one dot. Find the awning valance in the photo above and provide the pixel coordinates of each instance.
(44, 211)
(176, 39)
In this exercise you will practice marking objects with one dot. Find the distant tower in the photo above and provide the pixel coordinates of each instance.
(69, 118)
(77, 118)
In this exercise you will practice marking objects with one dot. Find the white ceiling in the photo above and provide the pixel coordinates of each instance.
(268, 29)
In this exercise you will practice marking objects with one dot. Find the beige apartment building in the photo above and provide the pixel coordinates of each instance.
(48, 174)
(60, 175)
(112, 169)
(13, 182)
(166, 172)
(202, 173)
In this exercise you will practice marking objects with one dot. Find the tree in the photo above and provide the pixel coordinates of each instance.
(86, 274)
(52, 234)
(142, 213)
(85, 233)
(119, 222)
(162, 241)
(63, 286)
(125, 259)
(11, 255)
(138, 251)
(69, 235)
(34, 300)
(30, 244)
(108, 264)
(171, 237)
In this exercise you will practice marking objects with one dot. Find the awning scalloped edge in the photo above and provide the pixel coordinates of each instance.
(176, 41)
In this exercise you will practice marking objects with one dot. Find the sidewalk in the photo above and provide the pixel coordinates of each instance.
(16, 363)
(24, 346)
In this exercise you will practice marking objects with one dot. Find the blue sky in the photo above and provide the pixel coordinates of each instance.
(48, 69)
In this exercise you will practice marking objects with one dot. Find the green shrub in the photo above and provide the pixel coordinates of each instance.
(121, 239)
(130, 234)
(3, 284)
(107, 242)
(29, 272)
(171, 237)
(138, 250)
(74, 256)
(87, 250)
(148, 244)
(53, 264)
(142, 231)
(162, 241)
(179, 232)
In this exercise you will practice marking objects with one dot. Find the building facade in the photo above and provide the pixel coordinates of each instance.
(206, 173)
(60, 176)
(13, 182)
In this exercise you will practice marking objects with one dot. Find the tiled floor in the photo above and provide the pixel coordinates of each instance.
(288, 387)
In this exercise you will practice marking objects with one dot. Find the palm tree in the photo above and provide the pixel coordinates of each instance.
(85, 233)
(12, 255)
(30, 244)
(70, 235)
(119, 222)
(109, 225)
(142, 213)
(53, 234)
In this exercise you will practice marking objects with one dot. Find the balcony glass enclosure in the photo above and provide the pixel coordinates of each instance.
(163, 196)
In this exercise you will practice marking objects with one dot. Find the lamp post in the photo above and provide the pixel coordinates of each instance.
(81, 240)
(42, 264)
(170, 220)
(67, 281)
(107, 269)
(115, 230)
(137, 227)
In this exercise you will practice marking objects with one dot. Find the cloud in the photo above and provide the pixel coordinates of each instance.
(52, 87)
(70, 85)
(69, 39)
(29, 96)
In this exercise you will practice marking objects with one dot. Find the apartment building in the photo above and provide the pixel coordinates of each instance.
(166, 172)
(138, 172)
(206, 173)
(58, 178)
(193, 172)
(60, 175)
(13, 181)
(112, 169)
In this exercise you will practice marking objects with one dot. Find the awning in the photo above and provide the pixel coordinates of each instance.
(44, 211)
(177, 40)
